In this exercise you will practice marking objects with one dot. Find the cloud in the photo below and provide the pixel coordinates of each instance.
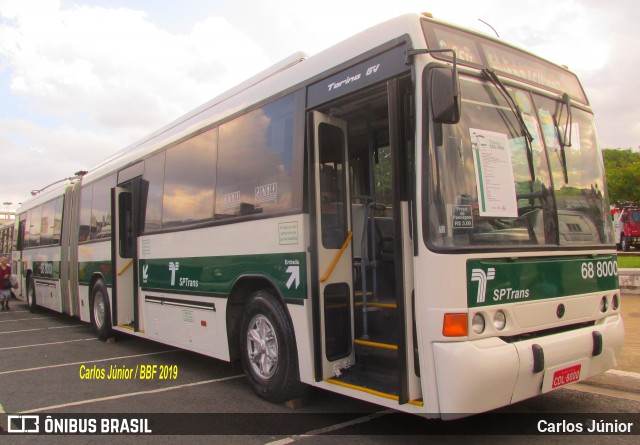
(613, 89)
(91, 80)
(39, 156)
(110, 73)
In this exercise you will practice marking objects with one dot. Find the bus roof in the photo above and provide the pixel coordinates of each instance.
(291, 72)
(47, 194)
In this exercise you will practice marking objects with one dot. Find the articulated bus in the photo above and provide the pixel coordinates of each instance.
(416, 217)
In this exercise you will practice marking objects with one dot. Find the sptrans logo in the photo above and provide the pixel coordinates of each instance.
(481, 277)
(174, 267)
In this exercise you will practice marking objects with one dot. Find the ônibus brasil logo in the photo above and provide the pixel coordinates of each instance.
(481, 277)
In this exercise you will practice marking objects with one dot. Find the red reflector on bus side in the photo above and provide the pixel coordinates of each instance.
(203, 323)
(455, 325)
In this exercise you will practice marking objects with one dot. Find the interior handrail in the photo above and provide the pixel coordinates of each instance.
(125, 268)
(326, 276)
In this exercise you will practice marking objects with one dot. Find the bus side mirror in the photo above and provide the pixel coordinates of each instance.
(445, 95)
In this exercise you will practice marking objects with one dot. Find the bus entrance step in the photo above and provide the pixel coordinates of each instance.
(380, 384)
(382, 325)
(376, 357)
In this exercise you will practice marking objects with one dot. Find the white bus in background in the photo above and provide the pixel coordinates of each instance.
(6, 238)
(6, 242)
(416, 217)
(43, 244)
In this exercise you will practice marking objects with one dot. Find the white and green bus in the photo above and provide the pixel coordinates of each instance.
(416, 217)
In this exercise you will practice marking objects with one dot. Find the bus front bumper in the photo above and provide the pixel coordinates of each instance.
(481, 375)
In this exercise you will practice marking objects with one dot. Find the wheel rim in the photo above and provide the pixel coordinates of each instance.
(98, 309)
(30, 296)
(262, 347)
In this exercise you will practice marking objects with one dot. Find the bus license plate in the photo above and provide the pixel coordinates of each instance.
(565, 376)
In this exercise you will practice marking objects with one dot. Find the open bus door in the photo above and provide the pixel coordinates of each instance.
(334, 254)
(363, 310)
(126, 313)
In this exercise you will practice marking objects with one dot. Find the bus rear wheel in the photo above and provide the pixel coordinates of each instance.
(267, 344)
(31, 294)
(626, 243)
(100, 311)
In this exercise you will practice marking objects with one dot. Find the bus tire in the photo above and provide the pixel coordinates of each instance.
(100, 311)
(626, 243)
(31, 294)
(267, 345)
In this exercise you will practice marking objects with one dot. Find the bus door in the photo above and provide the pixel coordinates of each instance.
(126, 311)
(334, 253)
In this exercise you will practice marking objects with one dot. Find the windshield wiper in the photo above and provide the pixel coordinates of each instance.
(495, 80)
(565, 138)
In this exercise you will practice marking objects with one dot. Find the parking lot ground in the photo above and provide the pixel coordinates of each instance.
(53, 364)
(626, 377)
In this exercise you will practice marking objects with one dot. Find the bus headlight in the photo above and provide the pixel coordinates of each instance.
(477, 323)
(499, 320)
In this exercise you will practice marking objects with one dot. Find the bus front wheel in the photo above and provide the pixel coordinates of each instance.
(269, 356)
(100, 311)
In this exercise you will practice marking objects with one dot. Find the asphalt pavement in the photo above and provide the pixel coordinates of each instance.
(626, 376)
(44, 354)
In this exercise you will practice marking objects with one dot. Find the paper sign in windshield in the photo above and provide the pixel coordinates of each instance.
(494, 174)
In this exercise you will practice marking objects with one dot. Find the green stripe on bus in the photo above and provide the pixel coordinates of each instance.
(86, 269)
(46, 269)
(287, 271)
(500, 281)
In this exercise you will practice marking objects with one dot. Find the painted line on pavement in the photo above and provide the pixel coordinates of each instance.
(42, 329)
(47, 344)
(331, 428)
(131, 394)
(25, 319)
(601, 391)
(123, 357)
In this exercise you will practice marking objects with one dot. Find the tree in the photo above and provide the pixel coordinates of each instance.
(622, 168)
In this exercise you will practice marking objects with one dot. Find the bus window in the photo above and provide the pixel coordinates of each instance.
(254, 161)
(35, 223)
(332, 186)
(101, 208)
(48, 217)
(85, 213)
(154, 175)
(57, 221)
(189, 180)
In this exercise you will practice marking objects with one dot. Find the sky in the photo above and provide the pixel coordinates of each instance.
(82, 79)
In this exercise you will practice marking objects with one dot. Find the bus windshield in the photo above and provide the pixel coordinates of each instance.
(496, 180)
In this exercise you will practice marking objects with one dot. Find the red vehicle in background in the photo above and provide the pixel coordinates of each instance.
(626, 223)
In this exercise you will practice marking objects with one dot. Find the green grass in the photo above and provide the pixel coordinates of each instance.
(628, 262)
